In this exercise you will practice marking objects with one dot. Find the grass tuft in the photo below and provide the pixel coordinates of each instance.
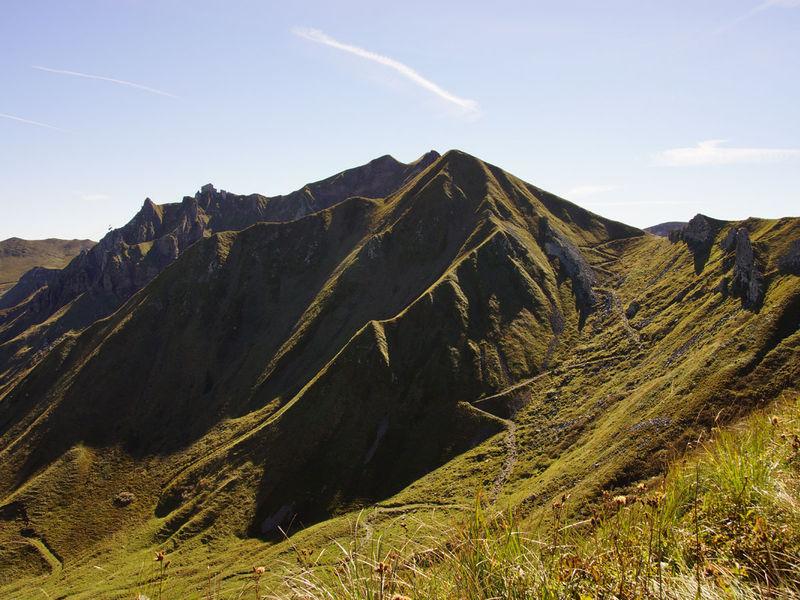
(723, 523)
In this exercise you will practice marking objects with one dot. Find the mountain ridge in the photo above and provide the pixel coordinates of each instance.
(391, 353)
(95, 284)
(18, 256)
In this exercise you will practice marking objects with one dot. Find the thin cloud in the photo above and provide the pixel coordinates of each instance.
(758, 9)
(314, 35)
(712, 152)
(585, 191)
(30, 122)
(137, 86)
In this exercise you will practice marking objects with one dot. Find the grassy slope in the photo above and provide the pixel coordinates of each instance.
(126, 259)
(603, 412)
(18, 256)
(721, 523)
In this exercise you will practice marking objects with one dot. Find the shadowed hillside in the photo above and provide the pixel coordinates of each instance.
(462, 331)
(96, 283)
(18, 257)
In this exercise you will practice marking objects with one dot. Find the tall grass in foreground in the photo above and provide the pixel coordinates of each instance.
(723, 524)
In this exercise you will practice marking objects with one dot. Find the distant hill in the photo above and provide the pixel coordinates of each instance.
(17, 256)
(397, 338)
(663, 229)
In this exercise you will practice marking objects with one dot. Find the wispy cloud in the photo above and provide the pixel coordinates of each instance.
(586, 191)
(712, 152)
(131, 84)
(30, 122)
(767, 4)
(314, 35)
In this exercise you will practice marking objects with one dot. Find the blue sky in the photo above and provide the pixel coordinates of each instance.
(642, 111)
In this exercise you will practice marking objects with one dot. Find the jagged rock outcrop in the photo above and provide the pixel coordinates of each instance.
(18, 256)
(747, 282)
(790, 262)
(699, 235)
(729, 243)
(126, 259)
(372, 320)
(296, 371)
(30, 282)
(558, 246)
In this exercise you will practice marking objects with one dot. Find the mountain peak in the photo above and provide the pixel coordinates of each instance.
(306, 355)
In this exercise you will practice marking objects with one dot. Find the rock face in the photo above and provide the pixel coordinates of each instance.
(790, 262)
(699, 235)
(126, 259)
(558, 246)
(18, 256)
(301, 370)
(748, 281)
(729, 243)
(32, 280)
(359, 336)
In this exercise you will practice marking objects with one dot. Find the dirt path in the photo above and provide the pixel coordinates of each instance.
(509, 462)
(56, 566)
(620, 310)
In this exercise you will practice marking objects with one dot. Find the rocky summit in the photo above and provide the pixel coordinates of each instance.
(234, 376)
(98, 281)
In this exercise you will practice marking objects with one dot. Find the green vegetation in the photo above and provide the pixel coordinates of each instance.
(18, 256)
(724, 522)
(392, 359)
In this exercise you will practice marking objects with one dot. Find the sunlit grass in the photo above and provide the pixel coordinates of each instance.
(722, 524)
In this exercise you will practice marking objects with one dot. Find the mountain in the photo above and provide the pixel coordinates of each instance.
(97, 282)
(18, 256)
(466, 331)
(664, 229)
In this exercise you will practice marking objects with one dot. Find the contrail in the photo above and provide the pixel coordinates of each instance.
(138, 86)
(315, 35)
(767, 4)
(29, 122)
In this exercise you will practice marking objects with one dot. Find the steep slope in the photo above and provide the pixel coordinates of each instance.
(252, 341)
(96, 283)
(467, 332)
(18, 256)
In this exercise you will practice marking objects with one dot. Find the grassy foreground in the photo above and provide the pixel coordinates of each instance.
(722, 523)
